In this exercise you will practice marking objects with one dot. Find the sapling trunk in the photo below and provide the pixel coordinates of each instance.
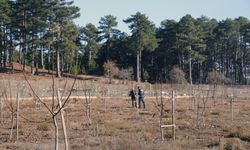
(17, 117)
(56, 132)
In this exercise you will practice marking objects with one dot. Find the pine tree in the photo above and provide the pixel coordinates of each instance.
(90, 36)
(143, 37)
(190, 40)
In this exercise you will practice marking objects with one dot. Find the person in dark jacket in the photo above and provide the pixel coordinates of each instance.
(133, 98)
(141, 97)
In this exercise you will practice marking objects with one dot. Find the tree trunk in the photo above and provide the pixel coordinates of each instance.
(5, 50)
(56, 132)
(62, 63)
(53, 50)
(90, 57)
(58, 73)
(1, 50)
(244, 64)
(235, 67)
(25, 47)
(11, 50)
(33, 59)
(36, 62)
(165, 68)
(24, 58)
(76, 62)
(42, 58)
(49, 52)
(190, 70)
(20, 49)
(138, 67)
(241, 70)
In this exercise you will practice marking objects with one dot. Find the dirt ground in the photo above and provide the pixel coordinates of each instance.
(116, 125)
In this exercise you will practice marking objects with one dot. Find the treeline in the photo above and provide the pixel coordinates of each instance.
(42, 34)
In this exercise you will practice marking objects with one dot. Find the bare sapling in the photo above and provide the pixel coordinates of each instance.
(233, 102)
(214, 93)
(13, 109)
(232, 109)
(10, 107)
(55, 109)
(160, 108)
(87, 95)
(157, 102)
(204, 102)
(193, 98)
(204, 99)
(231, 99)
(104, 95)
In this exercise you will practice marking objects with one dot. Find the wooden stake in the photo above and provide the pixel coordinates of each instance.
(89, 106)
(173, 114)
(17, 117)
(197, 114)
(12, 125)
(232, 111)
(161, 115)
(1, 109)
(63, 122)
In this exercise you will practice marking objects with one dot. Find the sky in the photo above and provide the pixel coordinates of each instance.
(159, 10)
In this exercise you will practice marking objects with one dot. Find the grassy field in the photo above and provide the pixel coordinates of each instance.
(118, 126)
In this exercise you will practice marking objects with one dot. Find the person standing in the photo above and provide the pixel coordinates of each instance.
(132, 95)
(141, 97)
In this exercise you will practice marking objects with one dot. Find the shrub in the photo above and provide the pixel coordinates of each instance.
(216, 78)
(110, 69)
(74, 70)
(177, 76)
(125, 74)
(92, 67)
(146, 75)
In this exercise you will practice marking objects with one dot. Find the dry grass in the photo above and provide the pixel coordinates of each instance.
(43, 127)
(120, 127)
(241, 132)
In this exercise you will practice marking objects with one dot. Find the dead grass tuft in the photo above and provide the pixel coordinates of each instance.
(43, 127)
(242, 133)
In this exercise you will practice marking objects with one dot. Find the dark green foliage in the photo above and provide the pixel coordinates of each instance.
(143, 39)
(42, 34)
(89, 34)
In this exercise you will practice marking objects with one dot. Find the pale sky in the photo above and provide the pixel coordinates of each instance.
(159, 10)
